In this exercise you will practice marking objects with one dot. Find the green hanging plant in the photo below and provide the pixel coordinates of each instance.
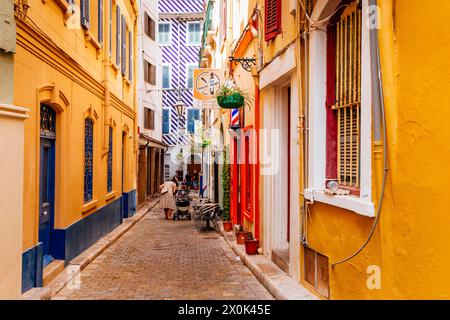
(231, 97)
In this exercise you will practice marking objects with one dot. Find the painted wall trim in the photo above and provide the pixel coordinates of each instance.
(10, 110)
(351, 203)
(278, 68)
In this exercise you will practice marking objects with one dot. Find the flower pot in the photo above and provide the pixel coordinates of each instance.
(233, 101)
(241, 236)
(251, 246)
(227, 226)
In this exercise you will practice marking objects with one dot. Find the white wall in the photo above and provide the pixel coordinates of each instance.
(149, 49)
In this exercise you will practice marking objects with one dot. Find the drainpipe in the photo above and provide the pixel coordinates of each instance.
(106, 85)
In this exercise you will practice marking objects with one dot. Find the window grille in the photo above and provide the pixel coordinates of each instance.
(110, 161)
(348, 96)
(88, 158)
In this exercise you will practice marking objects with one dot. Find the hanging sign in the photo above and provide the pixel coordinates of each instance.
(207, 83)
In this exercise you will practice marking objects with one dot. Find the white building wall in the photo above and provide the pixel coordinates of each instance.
(149, 95)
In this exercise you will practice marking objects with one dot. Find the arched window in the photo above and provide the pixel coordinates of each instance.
(110, 161)
(88, 158)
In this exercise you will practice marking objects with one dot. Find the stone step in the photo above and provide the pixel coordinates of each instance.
(281, 259)
(52, 271)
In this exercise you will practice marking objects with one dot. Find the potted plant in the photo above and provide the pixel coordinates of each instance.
(230, 97)
(241, 235)
(251, 244)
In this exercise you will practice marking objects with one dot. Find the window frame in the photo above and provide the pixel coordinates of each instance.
(149, 118)
(147, 24)
(92, 176)
(162, 75)
(196, 44)
(110, 158)
(168, 120)
(188, 111)
(195, 65)
(169, 43)
(315, 191)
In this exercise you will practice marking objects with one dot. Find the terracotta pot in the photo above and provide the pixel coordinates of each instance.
(251, 246)
(241, 236)
(227, 226)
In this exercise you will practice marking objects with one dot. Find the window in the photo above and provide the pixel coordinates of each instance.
(130, 55)
(194, 35)
(192, 115)
(166, 121)
(117, 35)
(88, 158)
(166, 77)
(149, 73)
(344, 99)
(110, 27)
(190, 75)
(85, 13)
(149, 27)
(149, 119)
(110, 161)
(165, 33)
(248, 177)
(100, 21)
(124, 46)
(272, 19)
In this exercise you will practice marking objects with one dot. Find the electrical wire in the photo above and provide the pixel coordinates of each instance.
(385, 165)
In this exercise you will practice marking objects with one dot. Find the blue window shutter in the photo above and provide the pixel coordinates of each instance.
(190, 122)
(166, 123)
(100, 21)
(118, 35)
(110, 27)
(124, 47)
(84, 13)
(130, 53)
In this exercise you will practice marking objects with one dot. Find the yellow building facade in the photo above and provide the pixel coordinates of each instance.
(75, 70)
(327, 216)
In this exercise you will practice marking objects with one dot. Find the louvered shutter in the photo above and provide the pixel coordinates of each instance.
(100, 21)
(152, 29)
(130, 53)
(84, 13)
(146, 75)
(146, 26)
(118, 35)
(272, 19)
(124, 47)
(152, 74)
(348, 97)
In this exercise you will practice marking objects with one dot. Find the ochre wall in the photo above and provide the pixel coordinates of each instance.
(411, 243)
(68, 72)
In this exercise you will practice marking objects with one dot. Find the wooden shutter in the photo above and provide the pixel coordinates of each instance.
(151, 119)
(152, 29)
(84, 13)
(130, 54)
(152, 74)
(272, 19)
(146, 24)
(348, 96)
(146, 118)
(118, 35)
(146, 71)
(100, 21)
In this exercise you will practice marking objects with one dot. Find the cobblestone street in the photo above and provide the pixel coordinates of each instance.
(160, 259)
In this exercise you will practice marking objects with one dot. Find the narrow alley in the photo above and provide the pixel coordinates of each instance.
(166, 259)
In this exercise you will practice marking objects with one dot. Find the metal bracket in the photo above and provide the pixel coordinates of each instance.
(246, 63)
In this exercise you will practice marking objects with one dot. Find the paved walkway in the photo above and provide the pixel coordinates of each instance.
(160, 259)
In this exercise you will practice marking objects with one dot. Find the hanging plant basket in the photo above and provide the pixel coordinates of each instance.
(232, 101)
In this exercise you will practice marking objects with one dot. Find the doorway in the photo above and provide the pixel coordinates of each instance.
(47, 180)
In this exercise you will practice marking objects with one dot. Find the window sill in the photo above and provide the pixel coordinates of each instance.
(352, 203)
(90, 38)
(115, 68)
(111, 195)
(126, 80)
(89, 206)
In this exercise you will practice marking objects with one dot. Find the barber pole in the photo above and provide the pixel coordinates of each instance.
(235, 117)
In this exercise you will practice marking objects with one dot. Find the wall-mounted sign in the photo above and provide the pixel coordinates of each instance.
(207, 83)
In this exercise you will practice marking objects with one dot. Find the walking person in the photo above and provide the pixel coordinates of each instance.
(188, 181)
(167, 201)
